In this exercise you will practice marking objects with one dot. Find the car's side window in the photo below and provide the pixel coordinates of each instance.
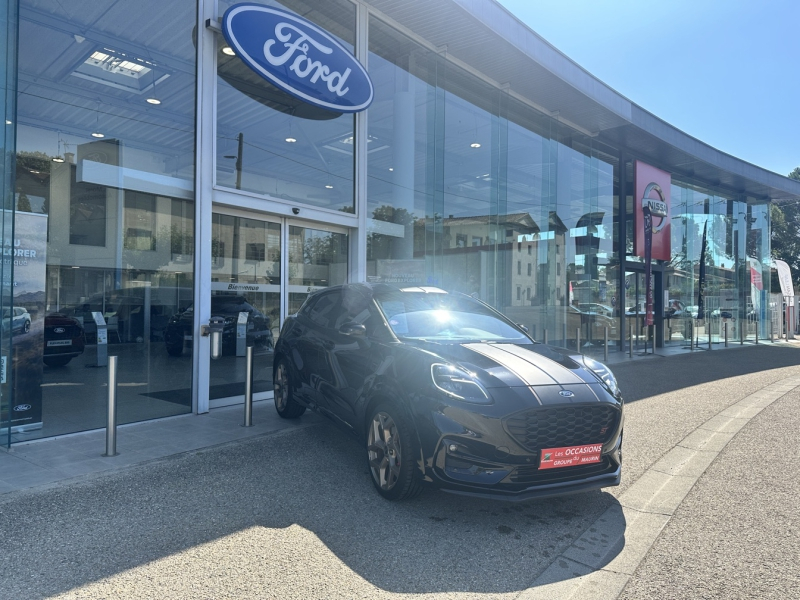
(324, 311)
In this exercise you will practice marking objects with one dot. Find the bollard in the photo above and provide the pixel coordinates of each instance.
(653, 327)
(726, 333)
(630, 344)
(756, 333)
(691, 336)
(741, 332)
(545, 336)
(111, 423)
(565, 335)
(248, 388)
(605, 345)
(578, 340)
(709, 336)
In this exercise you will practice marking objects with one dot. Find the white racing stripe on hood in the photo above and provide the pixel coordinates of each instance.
(531, 367)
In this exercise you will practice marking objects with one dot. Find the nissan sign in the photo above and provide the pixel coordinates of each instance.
(298, 57)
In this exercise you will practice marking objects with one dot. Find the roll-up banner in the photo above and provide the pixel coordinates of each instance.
(651, 220)
(26, 319)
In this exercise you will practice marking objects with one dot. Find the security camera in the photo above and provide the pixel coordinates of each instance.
(296, 210)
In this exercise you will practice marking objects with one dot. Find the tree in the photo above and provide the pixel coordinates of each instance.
(785, 238)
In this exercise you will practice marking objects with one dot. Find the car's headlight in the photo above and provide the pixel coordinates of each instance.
(459, 383)
(603, 373)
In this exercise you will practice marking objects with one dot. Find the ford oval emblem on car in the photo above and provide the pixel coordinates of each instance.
(22, 407)
(297, 56)
(58, 330)
(566, 393)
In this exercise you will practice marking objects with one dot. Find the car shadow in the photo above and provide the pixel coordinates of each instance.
(316, 479)
(660, 375)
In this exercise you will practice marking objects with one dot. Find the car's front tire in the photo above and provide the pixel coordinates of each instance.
(285, 403)
(390, 453)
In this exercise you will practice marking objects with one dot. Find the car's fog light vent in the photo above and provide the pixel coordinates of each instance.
(556, 427)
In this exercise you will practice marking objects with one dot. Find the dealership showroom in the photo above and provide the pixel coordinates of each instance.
(156, 177)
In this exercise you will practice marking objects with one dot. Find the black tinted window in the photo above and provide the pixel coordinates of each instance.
(323, 310)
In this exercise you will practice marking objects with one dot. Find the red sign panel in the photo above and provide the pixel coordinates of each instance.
(570, 456)
(652, 189)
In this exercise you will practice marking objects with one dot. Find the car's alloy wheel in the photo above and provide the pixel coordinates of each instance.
(27, 327)
(285, 404)
(389, 453)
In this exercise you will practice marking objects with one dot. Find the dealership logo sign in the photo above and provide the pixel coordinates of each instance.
(22, 407)
(658, 208)
(298, 57)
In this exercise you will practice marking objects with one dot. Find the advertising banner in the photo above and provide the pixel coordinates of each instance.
(28, 252)
(785, 278)
(701, 288)
(651, 220)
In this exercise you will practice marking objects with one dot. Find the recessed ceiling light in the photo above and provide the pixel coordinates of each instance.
(291, 140)
(58, 159)
(155, 101)
(330, 187)
(35, 172)
(475, 145)
(391, 169)
(229, 51)
(97, 134)
(8, 122)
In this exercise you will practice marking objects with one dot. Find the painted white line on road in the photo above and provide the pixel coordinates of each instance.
(600, 562)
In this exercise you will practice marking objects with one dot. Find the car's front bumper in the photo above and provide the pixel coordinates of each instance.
(471, 450)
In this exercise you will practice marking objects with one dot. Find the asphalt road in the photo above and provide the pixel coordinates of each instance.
(294, 515)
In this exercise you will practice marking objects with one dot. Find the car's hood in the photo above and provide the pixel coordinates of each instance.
(514, 365)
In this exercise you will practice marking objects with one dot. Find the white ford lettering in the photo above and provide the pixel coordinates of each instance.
(303, 66)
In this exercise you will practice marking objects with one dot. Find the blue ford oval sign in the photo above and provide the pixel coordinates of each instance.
(297, 56)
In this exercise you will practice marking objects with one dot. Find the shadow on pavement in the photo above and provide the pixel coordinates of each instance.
(316, 479)
(659, 375)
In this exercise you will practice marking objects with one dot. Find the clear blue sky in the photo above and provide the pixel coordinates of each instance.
(724, 71)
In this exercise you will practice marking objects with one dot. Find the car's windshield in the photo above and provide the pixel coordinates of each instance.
(443, 317)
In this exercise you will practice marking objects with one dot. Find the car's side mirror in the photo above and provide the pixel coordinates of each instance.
(521, 326)
(355, 329)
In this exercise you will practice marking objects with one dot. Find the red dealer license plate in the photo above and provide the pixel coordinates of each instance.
(570, 456)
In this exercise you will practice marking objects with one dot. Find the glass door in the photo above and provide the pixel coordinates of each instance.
(262, 270)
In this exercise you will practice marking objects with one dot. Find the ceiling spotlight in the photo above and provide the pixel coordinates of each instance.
(97, 134)
(290, 140)
(391, 168)
(8, 122)
(155, 101)
(58, 159)
(330, 187)
(229, 51)
(475, 145)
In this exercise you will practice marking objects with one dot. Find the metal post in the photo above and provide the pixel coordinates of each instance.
(630, 344)
(111, 423)
(545, 336)
(756, 332)
(605, 344)
(691, 335)
(578, 340)
(741, 332)
(248, 388)
(709, 336)
(653, 328)
(725, 325)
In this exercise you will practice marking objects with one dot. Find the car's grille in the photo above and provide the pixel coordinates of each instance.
(530, 475)
(70, 331)
(556, 427)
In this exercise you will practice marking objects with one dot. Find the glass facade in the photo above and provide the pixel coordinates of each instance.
(458, 184)
(472, 191)
(104, 199)
(273, 144)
